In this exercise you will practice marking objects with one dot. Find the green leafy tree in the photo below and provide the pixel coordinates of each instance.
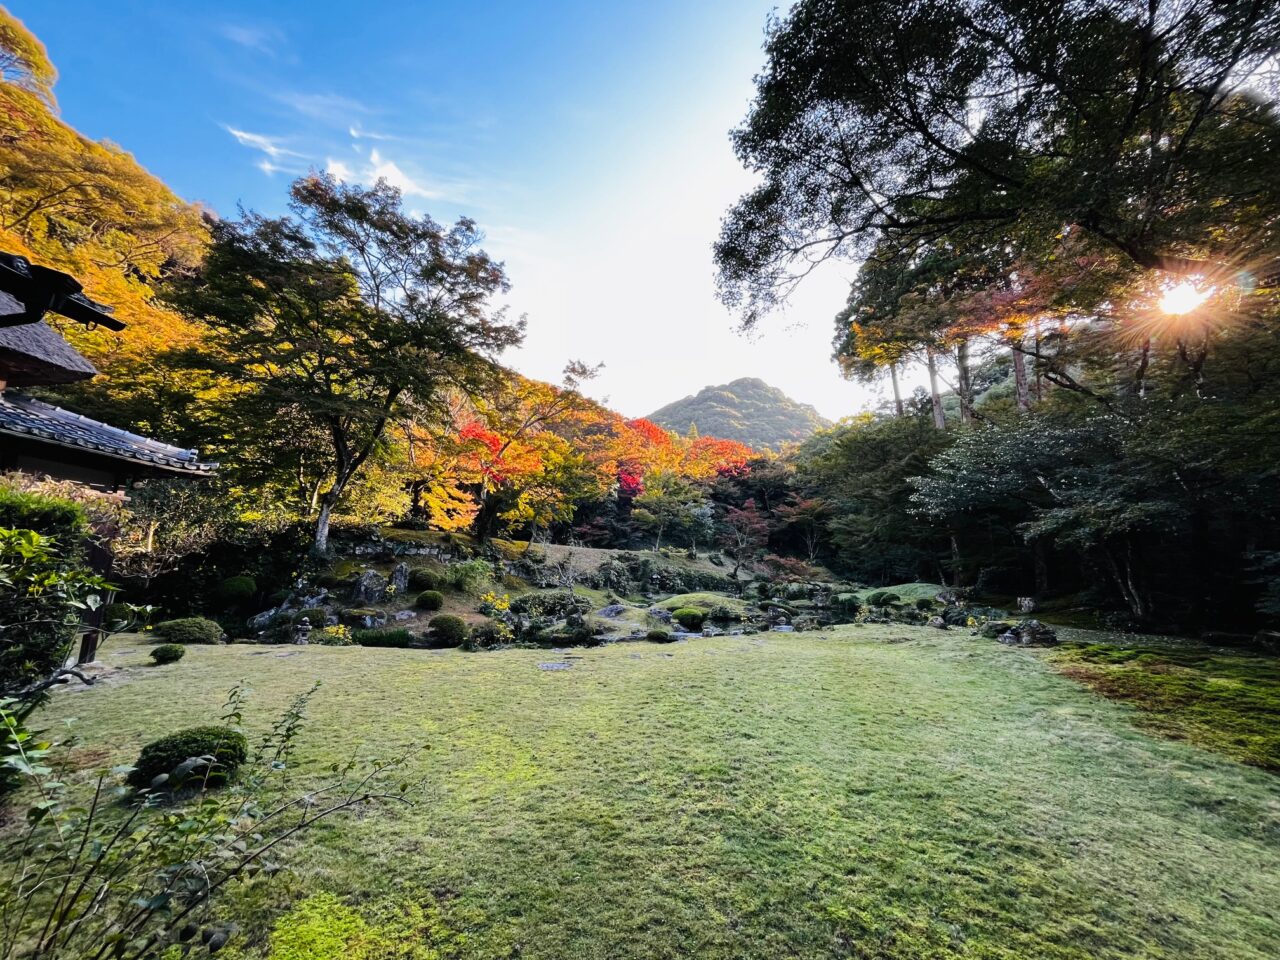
(349, 315)
(1146, 128)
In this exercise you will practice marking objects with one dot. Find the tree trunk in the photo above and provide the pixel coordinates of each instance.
(964, 382)
(899, 409)
(322, 522)
(1021, 386)
(1041, 570)
(939, 419)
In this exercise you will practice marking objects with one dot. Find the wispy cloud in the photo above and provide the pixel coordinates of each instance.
(261, 39)
(277, 158)
(329, 108)
(357, 133)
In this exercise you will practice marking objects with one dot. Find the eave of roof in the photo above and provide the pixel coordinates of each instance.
(28, 418)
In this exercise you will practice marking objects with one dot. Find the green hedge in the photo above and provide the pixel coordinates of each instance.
(228, 748)
(396, 637)
(61, 519)
(190, 630)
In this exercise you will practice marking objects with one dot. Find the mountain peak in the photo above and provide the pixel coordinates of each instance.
(747, 410)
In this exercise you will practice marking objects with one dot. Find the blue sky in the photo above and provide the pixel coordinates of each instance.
(589, 140)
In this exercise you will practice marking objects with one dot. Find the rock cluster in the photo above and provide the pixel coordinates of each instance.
(1029, 633)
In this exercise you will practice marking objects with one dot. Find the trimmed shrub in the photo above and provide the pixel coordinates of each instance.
(49, 516)
(429, 600)
(659, 636)
(425, 578)
(170, 755)
(689, 617)
(39, 620)
(924, 603)
(235, 593)
(190, 630)
(168, 653)
(470, 575)
(316, 616)
(447, 631)
(398, 637)
(557, 604)
(882, 598)
(489, 636)
(723, 613)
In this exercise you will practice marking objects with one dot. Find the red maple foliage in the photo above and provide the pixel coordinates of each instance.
(630, 484)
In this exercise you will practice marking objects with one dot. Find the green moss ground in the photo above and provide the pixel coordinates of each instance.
(870, 792)
(909, 592)
(1227, 702)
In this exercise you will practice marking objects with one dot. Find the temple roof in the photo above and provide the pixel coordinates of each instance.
(40, 289)
(35, 353)
(31, 419)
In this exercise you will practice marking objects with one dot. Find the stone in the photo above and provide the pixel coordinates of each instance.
(1267, 640)
(994, 628)
(370, 587)
(260, 621)
(400, 578)
(659, 614)
(937, 623)
(613, 611)
(405, 614)
(366, 619)
(1026, 604)
(1029, 633)
(783, 628)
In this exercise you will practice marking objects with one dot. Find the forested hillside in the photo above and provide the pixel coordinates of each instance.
(747, 410)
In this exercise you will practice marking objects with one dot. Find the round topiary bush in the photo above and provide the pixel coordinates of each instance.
(659, 636)
(168, 653)
(190, 630)
(176, 756)
(447, 631)
(430, 600)
(924, 603)
(689, 617)
(882, 598)
(235, 593)
(424, 578)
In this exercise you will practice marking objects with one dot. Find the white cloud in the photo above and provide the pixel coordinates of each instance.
(262, 39)
(276, 157)
(381, 168)
(331, 108)
(338, 169)
(358, 133)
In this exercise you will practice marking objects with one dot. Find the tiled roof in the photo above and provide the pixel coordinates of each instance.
(35, 353)
(26, 417)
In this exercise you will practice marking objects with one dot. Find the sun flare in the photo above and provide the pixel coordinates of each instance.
(1183, 297)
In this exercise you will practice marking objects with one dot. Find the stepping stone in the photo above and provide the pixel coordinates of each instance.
(554, 666)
